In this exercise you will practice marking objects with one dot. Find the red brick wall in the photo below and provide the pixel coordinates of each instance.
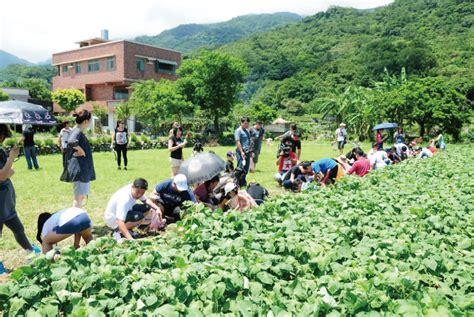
(73, 80)
(131, 71)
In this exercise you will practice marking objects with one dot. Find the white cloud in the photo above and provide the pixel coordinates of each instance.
(33, 29)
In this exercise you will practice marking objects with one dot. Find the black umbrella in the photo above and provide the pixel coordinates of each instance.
(20, 112)
(202, 167)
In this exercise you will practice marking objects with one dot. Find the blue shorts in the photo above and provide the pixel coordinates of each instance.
(75, 225)
(340, 144)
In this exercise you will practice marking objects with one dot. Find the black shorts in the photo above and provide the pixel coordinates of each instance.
(137, 213)
(333, 175)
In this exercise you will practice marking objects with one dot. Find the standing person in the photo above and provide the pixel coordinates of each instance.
(63, 140)
(29, 146)
(56, 227)
(341, 135)
(175, 146)
(120, 140)
(8, 215)
(293, 128)
(170, 195)
(123, 213)
(399, 136)
(257, 132)
(361, 166)
(173, 126)
(379, 139)
(440, 143)
(325, 170)
(80, 164)
(243, 151)
(293, 141)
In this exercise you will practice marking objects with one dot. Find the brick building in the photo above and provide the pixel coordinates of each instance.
(104, 70)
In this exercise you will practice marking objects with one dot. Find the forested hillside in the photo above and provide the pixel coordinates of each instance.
(344, 46)
(188, 37)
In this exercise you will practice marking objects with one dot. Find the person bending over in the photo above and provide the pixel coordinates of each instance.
(296, 176)
(53, 228)
(325, 170)
(204, 192)
(123, 214)
(361, 166)
(170, 195)
(236, 199)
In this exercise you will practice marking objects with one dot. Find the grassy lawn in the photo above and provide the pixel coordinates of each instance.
(41, 191)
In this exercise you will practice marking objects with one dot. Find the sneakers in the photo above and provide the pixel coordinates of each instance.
(36, 249)
(119, 168)
(125, 168)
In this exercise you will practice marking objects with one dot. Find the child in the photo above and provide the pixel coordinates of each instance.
(61, 225)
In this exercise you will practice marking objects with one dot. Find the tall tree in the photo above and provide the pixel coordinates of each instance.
(213, 81)
(155, 103)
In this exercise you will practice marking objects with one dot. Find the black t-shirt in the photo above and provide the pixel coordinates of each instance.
(177, 154)
(288, 141)
(121, 137)
(28, 134)
(229, 167)
(257, 192)
(294, 170)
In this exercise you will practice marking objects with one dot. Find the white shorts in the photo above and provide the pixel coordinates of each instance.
(175, 162)
(81, 189)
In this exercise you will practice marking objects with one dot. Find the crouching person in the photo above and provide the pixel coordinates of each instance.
(236, 199)
(170, 195)
(123, 214)
(53, 228)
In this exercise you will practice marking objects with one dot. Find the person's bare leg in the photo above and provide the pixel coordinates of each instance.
(174, 171)
(86, 235)
(51, 239)
(78, 201)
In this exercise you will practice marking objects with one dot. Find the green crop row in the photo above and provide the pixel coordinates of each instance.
(395, 243)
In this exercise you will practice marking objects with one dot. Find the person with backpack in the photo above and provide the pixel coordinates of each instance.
(120, 140)
(80, 164)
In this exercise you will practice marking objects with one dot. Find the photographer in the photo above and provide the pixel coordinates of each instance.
(8, 215)
(243, 149)
(286, 160)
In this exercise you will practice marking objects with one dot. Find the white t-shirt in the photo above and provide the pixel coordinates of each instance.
(341, 134)
(119, 205)
(378, 158)
(399, 147)
(425, 153)
(60, 218)
(64, 137)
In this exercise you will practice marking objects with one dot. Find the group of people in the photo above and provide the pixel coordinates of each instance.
(295, 175)
(130, 211)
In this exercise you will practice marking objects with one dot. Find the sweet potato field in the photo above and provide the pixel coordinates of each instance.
(397, 242)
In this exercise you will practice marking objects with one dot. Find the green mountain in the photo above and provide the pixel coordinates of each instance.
(8, 59)
(345, 46)
(188, 37)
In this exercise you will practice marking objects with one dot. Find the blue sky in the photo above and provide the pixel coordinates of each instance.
(33, 29)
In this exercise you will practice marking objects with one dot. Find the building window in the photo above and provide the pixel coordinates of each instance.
(111, 63)
(93, 66)
(165, 68)
(120, 93)
(78, 68)
(141, 64)
(65, 69)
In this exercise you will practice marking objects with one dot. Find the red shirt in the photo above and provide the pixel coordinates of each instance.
(361, 167)
(286, 163)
